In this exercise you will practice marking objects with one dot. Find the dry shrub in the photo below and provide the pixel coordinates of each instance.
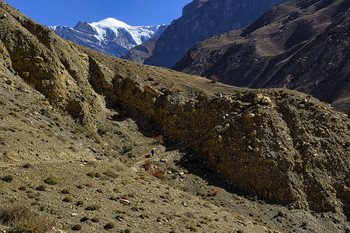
(159, 139)
(153, 170)
(157, 172)
(215, 192)
(214, 79)
(21, 219)
(148, 165)
(32, 85)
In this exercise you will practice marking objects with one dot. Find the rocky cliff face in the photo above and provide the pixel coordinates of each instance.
(201, 19)
(300, 45)
(109, 36)
(141, 52)
(282, 145)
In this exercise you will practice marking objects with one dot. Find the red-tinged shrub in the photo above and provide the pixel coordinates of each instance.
(214, 79)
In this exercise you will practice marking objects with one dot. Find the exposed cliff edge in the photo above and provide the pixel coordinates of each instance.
(281, 145)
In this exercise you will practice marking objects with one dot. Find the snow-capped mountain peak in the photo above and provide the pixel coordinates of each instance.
(138, 33)
(110, 23)
(109, 35)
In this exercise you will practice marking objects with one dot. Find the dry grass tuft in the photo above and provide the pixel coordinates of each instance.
(21, 219)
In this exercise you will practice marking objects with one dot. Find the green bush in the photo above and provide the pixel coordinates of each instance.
(51, 181)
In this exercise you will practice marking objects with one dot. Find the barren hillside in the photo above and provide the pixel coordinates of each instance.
(93, 143)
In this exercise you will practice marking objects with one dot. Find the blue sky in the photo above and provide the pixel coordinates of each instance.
(69, 12)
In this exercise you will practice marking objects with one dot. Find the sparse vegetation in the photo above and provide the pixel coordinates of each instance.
(159, 139)
(109, 226)
(95, 219)
(214, 79)
(77, 227)
(51, 181)
(92, 207)
(110, 174)
(79, 203)
(27, 165)
(192, 228)
(65, 191)
(7, 178)
(127, 148)
(67, 199)
(84, 219)
(153, 170)
(41, 188)
(103, 129)
(21, 219)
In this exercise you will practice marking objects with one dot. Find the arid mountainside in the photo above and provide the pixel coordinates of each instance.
(201, 19)
(78, 127)
(141, 52)
(302, 45)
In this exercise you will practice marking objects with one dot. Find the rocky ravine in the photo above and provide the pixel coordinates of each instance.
(283, 146)
(301, 45)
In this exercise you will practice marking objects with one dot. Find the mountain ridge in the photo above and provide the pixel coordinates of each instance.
(109, 35)
(201, 19)
(299, 45)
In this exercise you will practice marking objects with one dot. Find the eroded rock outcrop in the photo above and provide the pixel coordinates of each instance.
(285, 147)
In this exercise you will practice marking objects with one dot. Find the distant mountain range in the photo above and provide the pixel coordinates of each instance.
(301, 45)
(201, 19)
(109, 36)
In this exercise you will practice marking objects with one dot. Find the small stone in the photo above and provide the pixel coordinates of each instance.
(249, 116)
(257, 98)
(254, 133)
(74, 214)
(219, 139)
(38, 59)
(182, 174)
(125, 202)
(84, 56)
(262, 99)
(266, 100)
